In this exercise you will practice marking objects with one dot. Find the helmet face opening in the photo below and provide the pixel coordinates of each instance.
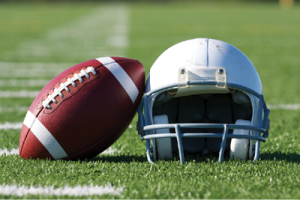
(203, 109)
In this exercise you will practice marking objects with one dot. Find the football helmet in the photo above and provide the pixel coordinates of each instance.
(203, 95)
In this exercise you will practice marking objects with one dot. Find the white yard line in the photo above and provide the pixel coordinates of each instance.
(8, 66)
(31, 73)
(284, 107)
(13, 109)
(109, 151)
(8, 125)
(101, 32)
(9, 152)
(18, 94)
(33, 70)
(24, 83)
(77, 191)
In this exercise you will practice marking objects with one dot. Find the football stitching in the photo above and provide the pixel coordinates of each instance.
(64, 86)
(71, 157)
(99, 72)
(102, 65)
(65, 99)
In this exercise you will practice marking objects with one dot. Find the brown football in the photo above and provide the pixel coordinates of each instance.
(83, 110)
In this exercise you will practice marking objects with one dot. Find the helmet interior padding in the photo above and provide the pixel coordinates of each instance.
(215, 108)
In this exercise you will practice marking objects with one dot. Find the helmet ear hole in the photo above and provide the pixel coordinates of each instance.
(163, 97)
(241, 106)
(239, 147)
(240, 97)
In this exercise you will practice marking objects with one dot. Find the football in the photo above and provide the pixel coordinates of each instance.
(83, 110)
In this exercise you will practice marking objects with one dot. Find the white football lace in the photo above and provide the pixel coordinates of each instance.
(64, 86)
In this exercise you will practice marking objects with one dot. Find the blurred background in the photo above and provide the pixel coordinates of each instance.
(40, 38)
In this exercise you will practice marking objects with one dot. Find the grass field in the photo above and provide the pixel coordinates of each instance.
(40, 40)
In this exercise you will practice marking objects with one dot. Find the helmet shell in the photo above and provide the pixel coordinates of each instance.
(204, 53)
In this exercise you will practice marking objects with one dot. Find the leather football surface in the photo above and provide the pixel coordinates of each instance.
(83, 110)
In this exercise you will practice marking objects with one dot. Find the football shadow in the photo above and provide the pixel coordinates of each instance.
(117, 159)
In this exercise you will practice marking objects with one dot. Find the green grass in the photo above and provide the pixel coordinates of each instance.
(23, 22)
(268, 35)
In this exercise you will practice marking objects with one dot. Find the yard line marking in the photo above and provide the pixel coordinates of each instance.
(18, 94)
(15, 151)
(102, 32)
(85, 190)
(119, 38)
(24, 83)
(284, 107)
(13, 109)
(38, 70)
(9, 152)
(33, 65)
(8, 125)
(30, 73)
(109, 151)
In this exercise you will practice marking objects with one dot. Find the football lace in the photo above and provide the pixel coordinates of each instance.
(64, 86)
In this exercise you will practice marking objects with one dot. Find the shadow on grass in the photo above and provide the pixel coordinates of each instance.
(279, 156)
(143, 158)
(118, 159)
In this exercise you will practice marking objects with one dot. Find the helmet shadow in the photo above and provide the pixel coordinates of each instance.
(279, 156)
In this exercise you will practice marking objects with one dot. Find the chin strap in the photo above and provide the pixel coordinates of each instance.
(266, 134)
(139, 128)
(141, 122)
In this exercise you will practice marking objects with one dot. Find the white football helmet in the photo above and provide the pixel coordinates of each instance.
(201, 96)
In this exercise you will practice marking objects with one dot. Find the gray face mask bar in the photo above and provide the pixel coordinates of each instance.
(144, 128)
